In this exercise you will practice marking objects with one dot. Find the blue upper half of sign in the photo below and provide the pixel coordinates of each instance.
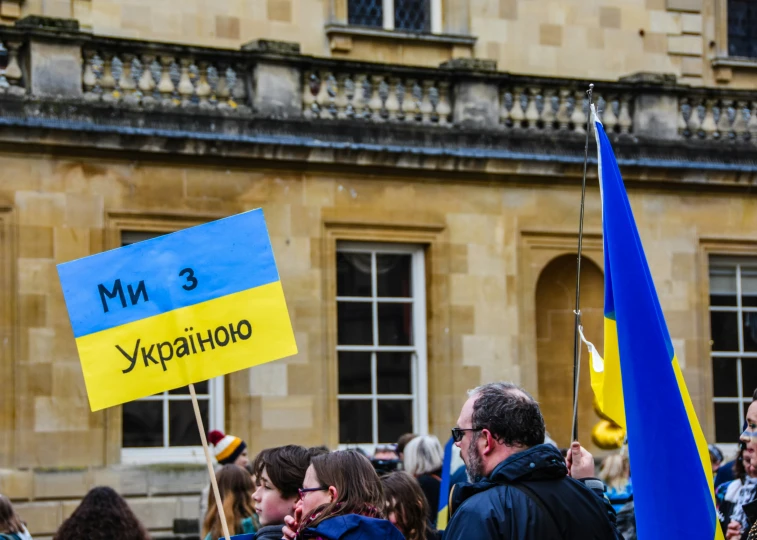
(172, 271)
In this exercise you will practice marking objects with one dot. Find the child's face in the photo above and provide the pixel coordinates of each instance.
(270, 505)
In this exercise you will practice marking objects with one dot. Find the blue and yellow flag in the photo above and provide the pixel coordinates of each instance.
(643, 387)
(443, 511)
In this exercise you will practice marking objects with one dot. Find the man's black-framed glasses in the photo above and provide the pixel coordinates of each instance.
(305, 491)
(459, 433)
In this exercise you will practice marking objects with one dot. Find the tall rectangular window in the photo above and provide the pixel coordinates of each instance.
(381, 342)
(742, 28)
(162, 427)
(733, 323)
(405, 15)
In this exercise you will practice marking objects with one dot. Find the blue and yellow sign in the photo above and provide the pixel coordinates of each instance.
(178, 309)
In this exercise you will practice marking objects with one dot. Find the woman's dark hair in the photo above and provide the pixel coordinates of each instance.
(102, 515)
(236, 489)
(739, 471)
(403, 440)
(358, 487)
(510, 413)
(9, 521)
(285, 467)
(405, 498)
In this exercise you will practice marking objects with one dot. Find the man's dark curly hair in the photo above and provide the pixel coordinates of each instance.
(102, 515)
(510, 413)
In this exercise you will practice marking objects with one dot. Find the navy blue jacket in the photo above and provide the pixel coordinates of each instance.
(354, 527)
(558, 507)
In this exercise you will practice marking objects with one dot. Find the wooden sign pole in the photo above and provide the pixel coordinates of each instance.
(211, 472)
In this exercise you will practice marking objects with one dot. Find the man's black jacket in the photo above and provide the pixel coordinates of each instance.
(530, 496)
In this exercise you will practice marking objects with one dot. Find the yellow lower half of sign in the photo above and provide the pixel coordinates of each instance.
(187, 345)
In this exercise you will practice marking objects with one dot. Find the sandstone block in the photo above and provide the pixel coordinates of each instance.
(16, 485)
(61, 485)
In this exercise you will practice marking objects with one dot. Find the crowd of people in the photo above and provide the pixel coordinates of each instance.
(517, 485)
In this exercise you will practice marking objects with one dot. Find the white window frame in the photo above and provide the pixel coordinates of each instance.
(436, 15)
(215, 397)
(739, 309)
(419, 357)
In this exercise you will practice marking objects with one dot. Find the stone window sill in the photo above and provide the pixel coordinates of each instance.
(342, 30)
(740, 62)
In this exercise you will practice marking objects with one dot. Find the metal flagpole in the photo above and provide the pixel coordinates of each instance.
(577, 311)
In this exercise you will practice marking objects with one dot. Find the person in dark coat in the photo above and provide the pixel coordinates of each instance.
(521, 489)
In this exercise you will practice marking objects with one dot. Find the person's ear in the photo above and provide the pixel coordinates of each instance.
(333, 492)
(489, 441)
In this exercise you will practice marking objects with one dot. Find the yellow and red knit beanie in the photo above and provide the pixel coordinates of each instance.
(227, 448)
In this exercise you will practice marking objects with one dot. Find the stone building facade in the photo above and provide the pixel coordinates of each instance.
(420, 176)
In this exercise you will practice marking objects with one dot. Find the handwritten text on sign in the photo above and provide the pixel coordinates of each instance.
(181, 308)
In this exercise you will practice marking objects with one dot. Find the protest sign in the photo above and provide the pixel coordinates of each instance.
(177, 309)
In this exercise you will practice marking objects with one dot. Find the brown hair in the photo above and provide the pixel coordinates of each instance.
(358, 487)
(235, 487)
(102, 515)
(9, 521)
(403, 440)
(285, 466)
(405, 498)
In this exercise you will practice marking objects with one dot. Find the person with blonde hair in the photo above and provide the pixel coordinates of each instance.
(423, 460)
(236, 490)
(11, 526)
(615, 472)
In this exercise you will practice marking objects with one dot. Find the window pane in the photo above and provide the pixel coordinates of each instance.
(182, 426)
(723, 286)
(725, 333)
(395, 324)
(412, 15)
(200, 388)
(353, 274)
(742, 28)
(393, 275)
(395, 417)
(354, 372)
(748, 376)
(394, 373)
(750, 331)
(748, 287)
(355, 421)
(727, 422)
(142, 424)
(365, 12)
(725, 383)
(355, 323)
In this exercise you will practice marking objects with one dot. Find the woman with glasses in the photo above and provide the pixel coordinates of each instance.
(341, 499)
(741, 515)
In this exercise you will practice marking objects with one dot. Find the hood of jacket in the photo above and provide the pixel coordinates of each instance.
(354, 527)
(270, 532)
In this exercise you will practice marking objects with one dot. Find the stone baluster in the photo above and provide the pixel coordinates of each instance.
(340, 97)
(223, 92)
(366, 95)
(13, 73)
(146, 83)
(393, 106)
(563, 110)
(126, 80)
(427, 108)
(709, 127)
(165, 85)
(752, 124)
(409, 105)
(376, 104)
(186, 88)
(203, 89)
(517, 113)
(625, 121)
(4, 84)
(240, 99)
(444, 107)
(740, 119)
(332, 90)
(323, 98)
(725, 121)
(578, 118)
(311, 89)
(358, 103)
(548, 111)
(505, 105)
(684, 114)
(609, 117)
(695, 119)
(532, 110)
(89, 78)
(107, 81)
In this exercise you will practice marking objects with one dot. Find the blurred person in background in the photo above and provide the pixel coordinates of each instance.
(11, 526)
(102, 515)
(406, 506)
(615, 472)
(423, 460)
(402, 443)
(228, 450)
(716, 458)
(236, 488)
(741, 519)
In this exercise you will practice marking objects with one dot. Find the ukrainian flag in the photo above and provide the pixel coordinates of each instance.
(443, 511)
(643, 388)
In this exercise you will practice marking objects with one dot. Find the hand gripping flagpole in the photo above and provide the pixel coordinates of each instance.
(213, 482)
(577, 311)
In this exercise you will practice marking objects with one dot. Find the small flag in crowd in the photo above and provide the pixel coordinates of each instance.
(643, 388)
(443, 515)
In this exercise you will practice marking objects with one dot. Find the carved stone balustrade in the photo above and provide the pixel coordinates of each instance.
(725, 116)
